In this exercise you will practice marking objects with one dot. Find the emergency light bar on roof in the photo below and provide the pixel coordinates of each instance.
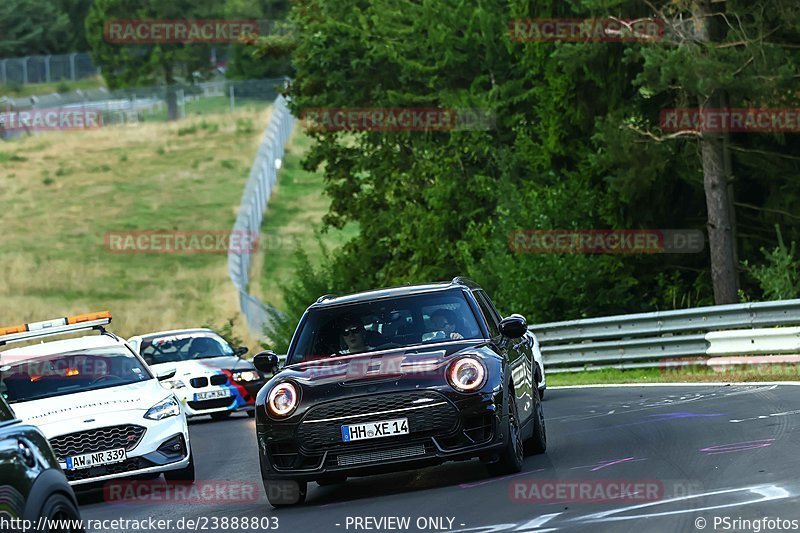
(57, 326)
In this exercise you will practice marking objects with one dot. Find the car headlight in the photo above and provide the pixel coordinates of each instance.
(247, 375)
(164, 409)
(173, 384)
(466, 374)
(282, 399)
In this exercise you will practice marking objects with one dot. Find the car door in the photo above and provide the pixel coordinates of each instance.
(518, 354)
(15, 457)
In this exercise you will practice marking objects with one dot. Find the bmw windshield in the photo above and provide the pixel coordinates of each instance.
(384, 324)
(183, 347)
(26, 377)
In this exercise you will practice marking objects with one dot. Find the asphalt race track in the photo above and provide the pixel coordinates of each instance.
(686, 453)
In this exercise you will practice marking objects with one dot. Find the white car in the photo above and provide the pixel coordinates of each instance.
(104, 412)
(211, 378)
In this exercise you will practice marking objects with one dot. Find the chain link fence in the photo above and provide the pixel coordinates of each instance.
(263, 176)
(45, 69)
(147, 104)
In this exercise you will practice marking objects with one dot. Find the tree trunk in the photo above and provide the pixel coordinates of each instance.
(719, 203)
(172, 96)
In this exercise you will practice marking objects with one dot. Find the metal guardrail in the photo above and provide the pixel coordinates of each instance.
(263, 176)
(645, 340)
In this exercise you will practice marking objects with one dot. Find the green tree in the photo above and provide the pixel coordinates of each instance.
(128, 65)
(31, 27)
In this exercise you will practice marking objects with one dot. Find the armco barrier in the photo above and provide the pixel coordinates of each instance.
(644, 340)
(263, 176)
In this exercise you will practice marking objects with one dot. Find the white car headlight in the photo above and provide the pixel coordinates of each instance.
(173, 384)
(164, 409)
(247, 375)
(466, 374)
(282, 399)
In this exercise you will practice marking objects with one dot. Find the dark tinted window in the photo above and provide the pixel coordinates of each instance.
(489, 313)
(34, 377)
(183, 347)
(384, 324)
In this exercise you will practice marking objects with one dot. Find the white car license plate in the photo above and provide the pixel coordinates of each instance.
(88, 460)
(212, 394)
(374, 430)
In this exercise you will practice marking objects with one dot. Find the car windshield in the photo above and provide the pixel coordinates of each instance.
(384, 324)
(25, 377)
(183, 347)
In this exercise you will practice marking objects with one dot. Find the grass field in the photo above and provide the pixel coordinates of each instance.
(293, 219)
(773, 372)
(63, 191)
(50, 88)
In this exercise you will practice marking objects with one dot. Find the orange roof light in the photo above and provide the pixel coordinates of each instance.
(13, 329)
(88, 317)
(73, 372)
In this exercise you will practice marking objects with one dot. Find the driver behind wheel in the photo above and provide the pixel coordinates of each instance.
(354, 336)
(446, 321)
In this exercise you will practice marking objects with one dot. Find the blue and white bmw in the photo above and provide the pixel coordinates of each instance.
(211, 378)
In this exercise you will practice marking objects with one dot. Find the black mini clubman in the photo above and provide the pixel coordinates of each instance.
(397, 379)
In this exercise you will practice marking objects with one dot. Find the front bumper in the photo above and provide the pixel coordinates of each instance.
(162, 446)
(242, 398)
(452, 431)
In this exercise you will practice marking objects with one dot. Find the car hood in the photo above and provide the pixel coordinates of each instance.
(416, 362)
(204, 367)
(108, 406)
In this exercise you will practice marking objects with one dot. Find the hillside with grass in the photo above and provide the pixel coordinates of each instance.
(63, 191)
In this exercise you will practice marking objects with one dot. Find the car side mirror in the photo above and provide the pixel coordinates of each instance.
(266, 361)
(166, 374)
(240, 351)
(514, 326)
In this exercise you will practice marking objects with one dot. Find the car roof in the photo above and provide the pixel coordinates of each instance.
(146, 336)
(332, 300)
(66, 345)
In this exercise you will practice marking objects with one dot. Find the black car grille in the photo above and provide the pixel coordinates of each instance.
(216, 403)
(321, 426)
(220, 379)
(97, 440)
(380, 456)
(128, 465)
(198, 383)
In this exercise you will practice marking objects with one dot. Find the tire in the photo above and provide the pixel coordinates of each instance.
(537, 444)
(513, 453)
(285, 493)
(60, 507)
(331, 480)
(541, 393)
(184, 475)
(222, 415)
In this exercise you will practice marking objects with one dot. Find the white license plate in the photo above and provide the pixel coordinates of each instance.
(88, 460)
(374, 430)
(212, 394)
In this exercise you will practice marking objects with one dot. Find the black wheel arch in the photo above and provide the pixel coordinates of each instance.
(49, 482)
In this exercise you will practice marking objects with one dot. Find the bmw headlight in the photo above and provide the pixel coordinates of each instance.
(173, 384)
(466, 374)
(245, 376)
(282, 399)
(164, 409)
